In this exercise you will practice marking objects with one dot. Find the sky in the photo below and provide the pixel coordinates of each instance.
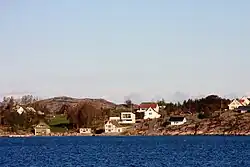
(139, 49)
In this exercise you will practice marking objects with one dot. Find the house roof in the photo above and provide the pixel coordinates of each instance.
(176, 119)
(241, 101)
(147, 105)
(42, 125)
(237, 101)
(115, 123)
(135, 106)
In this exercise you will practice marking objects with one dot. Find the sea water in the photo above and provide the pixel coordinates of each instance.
(125, 151)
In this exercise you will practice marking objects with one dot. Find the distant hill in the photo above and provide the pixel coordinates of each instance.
(54, 104)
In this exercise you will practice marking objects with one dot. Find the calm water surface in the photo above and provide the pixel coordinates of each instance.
(125, 151)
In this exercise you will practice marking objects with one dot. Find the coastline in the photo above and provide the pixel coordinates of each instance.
(123, 135)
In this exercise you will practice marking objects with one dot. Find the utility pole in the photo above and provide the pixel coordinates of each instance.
(189, 106)
(220, 105)
(95, 119)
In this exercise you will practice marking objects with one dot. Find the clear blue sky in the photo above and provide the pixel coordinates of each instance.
(142, 49)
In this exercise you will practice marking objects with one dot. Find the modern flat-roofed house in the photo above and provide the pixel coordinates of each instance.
(127, 118)
(114, 127)
(150, 110)
(177, 120)
(42, 129)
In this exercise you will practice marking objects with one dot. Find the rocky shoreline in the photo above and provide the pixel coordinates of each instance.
(189, 133)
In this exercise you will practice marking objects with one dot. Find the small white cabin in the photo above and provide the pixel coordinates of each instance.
(85, 130)
(177, 120)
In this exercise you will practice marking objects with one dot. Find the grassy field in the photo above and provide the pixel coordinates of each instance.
(56, 129)
(59, 123)
(59, 119)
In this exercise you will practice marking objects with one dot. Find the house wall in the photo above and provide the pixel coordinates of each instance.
(121, 129)
(151, 114)
(234, 105)
(243, 111)
(178, 122)
(42, 132)
(85, 130)
(141, 110)
(110, 128)
(127, 120)
(114, 118)
(47, 131)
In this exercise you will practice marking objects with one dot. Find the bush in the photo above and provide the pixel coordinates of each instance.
(203, 115)
(58, 129)
(165, 123)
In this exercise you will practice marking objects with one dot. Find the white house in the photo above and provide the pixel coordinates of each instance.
(245, 101)
(150, 110)
(85, 130)
(127, 118)
(114, 127)
(20, 110)
(151, 114)
(42, 129)
(235, 104)
(177, 120)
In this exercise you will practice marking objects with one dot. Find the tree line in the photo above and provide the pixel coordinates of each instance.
(203, 106)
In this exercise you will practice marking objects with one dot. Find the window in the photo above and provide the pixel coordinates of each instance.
(119, 130)
(126, 115)
(150, 113)
(109, 126)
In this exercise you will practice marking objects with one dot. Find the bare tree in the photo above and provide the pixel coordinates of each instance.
(83, 115)
(27, 99)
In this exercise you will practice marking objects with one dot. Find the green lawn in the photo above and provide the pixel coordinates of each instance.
(59, 119)
(58, 129)
(59, 123)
